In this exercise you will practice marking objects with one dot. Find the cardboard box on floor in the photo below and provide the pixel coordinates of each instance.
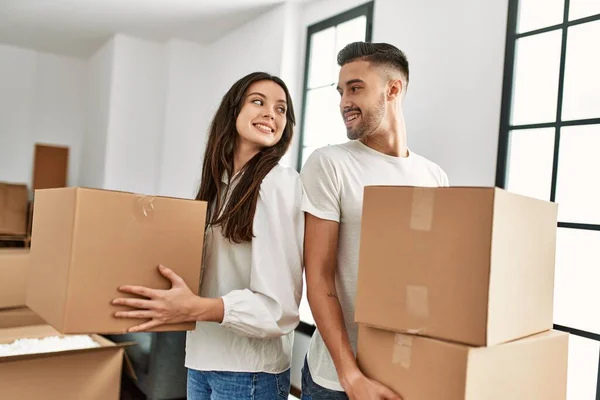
(86, 243)
(420, 368)
(91, 374)
(13, 209)
(14, 264)
(470, 265)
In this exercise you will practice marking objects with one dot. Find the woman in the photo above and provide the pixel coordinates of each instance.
(252, 281)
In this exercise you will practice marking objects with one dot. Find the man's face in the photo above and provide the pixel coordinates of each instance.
(362, 102)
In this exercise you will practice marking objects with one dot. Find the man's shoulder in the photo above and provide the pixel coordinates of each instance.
(334, 153)
(428, 166)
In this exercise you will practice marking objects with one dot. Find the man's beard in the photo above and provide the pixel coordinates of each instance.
(370, 120)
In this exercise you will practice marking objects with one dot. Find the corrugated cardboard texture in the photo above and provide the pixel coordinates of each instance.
(50, 167)
(426, 257)
(527, 369)
(14, 264)
(522, 267)
(115, 239)
(13, 209)
(82, 374)
(18, 317)
(50, 258)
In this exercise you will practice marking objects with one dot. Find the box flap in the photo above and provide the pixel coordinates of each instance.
(26, 332)
(19, 317)
(14, 265)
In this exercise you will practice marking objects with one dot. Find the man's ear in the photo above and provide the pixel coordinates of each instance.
(395, 89)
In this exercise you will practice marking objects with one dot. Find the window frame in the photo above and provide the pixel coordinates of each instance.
(362, 10)
(505, 124)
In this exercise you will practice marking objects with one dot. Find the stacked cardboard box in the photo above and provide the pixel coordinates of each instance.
(13, 209)
(455, 294)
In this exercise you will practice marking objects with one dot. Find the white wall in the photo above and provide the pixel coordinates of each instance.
(17, 70)
(456, 56)
(41, 100)
(136, 118)
(291, 69)
(184, 135)
(59, 105)
(97, 116)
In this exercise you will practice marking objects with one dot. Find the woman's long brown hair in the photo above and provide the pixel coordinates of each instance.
(236, 216)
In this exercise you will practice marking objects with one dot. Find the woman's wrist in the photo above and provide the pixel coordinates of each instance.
(206, 309)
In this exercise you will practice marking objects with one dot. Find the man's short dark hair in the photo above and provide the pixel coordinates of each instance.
(379, 54)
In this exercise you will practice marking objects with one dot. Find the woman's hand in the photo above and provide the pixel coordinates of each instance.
(161, 307)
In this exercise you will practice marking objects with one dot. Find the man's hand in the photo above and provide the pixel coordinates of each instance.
(161, 307)
(358, 387)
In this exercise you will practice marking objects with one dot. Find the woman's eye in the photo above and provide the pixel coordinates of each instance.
(281, 110)
(258, 102)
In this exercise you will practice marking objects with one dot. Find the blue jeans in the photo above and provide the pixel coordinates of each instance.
(216, 385)
(312, 391)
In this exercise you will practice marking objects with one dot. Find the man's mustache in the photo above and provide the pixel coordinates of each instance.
(349, 110)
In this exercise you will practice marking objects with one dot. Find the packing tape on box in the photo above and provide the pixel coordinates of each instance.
(421, 216)
(417, 301)
(402, 350)
(144, 208)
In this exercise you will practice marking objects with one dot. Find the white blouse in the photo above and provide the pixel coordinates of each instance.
(260, 283)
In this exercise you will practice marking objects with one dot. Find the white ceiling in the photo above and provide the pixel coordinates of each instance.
(79, 27)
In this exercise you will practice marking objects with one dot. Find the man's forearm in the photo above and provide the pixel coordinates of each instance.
(328, 315)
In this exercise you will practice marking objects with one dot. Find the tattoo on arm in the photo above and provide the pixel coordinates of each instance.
(332, 295)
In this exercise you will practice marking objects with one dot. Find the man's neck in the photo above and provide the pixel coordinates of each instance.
(390, 141)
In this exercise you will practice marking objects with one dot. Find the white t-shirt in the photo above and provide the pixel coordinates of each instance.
(334, 178)
(260, 283)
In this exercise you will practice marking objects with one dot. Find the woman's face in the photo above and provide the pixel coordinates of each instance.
(262, 117)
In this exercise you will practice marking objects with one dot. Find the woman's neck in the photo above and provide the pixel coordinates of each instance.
(242, 154)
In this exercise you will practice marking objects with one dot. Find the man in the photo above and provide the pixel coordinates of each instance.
(372, 84)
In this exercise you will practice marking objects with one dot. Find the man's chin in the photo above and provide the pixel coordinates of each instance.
(353, 134)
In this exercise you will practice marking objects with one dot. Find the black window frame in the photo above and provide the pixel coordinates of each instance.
(366, 10)
(512, 36)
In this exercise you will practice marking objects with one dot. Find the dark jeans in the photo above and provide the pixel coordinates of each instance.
(312, 391)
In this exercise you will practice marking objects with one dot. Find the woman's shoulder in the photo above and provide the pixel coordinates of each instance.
(281, 176)
(282, 182)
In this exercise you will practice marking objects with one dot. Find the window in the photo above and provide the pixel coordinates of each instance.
(322, 124)
(549, 141)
